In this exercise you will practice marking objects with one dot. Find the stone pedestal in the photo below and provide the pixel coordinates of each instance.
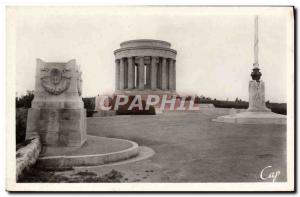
(257, 113)
(57, 112)
(257, 97)
(58, 127)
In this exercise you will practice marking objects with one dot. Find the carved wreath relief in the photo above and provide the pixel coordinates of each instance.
(56, 81)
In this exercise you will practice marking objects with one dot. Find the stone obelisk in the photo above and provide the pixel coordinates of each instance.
(256, 86)
(257, 113)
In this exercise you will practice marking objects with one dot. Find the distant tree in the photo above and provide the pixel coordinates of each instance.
(22, 104)
(188, 98)
(25, 100)
(197, 100)
(89, 105)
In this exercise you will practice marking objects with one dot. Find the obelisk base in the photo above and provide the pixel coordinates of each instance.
(257, 97)
(257, 113)
(253, 118)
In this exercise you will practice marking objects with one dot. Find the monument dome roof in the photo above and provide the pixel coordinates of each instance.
(145, 43)
(145, 47)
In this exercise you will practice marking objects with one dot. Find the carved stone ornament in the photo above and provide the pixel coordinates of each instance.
(256, 74)
(55, 81)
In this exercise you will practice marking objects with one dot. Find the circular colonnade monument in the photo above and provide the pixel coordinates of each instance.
(145, 66)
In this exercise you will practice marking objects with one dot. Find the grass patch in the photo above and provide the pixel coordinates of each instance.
(21, 119)
(34, 175)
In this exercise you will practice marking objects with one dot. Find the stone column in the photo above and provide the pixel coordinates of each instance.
(137, 77)
(153, 73)
(130, 73)
(174, 74)
(122, 74)
(148, 72)
(171, 75)
(141, 73)
(164, 74)
(125, 73)
(117, 77)
(159, 73)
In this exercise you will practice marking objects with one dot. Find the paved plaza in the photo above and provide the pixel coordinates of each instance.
(189, 147)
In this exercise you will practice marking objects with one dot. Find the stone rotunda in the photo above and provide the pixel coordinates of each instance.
(145, 66)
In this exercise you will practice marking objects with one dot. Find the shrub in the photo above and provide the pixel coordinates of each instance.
(34, 175)
(21, 119)
(89, 105)
(25, 100)
(279, 108)
(202, 100)
(90, 113)
(230, 104)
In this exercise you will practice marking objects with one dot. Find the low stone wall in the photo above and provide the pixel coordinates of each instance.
(28, 155)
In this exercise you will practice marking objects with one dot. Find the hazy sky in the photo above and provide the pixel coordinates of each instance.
(215, 50)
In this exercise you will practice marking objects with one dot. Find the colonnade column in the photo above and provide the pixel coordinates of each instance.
(122, 74)
(164, 74)
(153, 73)
(171, 75)
(159, 73)
(174, 74)
(117, 83)
(141, 73)
(131, 73)
(148, 72)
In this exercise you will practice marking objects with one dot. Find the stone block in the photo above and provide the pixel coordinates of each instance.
(57, 112)
(50, 138)
(257, 113)
(257, 97)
